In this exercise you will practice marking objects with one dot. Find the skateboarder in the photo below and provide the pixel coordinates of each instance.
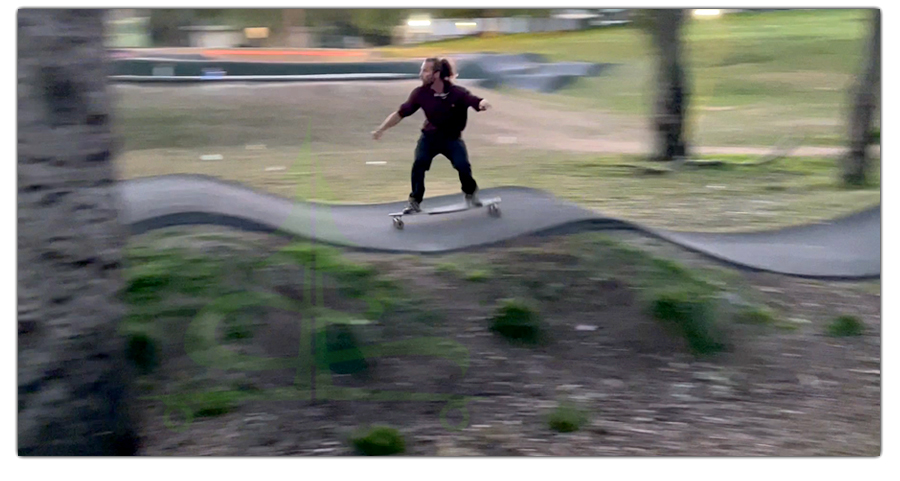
(446, 106)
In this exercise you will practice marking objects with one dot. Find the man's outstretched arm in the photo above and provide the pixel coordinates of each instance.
(389, 122)
(406, 109)
(474, 101)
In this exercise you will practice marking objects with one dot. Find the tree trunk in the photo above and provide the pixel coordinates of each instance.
(72, 371)
(864, 99)
(293, 27)
(166, 27)
(672, 92)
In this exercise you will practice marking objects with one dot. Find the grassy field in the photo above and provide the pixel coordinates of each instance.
(736, 196)
(759, 75)
(313, 142)
(759, 80)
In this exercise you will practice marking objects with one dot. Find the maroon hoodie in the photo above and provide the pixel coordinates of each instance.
(445, 113)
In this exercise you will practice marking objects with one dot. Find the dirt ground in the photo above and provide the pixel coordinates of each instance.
(773, 392)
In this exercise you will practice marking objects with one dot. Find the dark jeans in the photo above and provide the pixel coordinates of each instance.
(429, 146)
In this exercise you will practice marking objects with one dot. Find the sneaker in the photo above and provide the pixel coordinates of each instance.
(472, 200)
(412, 207)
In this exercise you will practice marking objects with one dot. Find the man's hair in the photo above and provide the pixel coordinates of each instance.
(444, 66)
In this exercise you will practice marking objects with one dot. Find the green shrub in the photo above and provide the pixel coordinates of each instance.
(478, 275)
(518, 322)
(690, 313)
(845, 326)
(342, 353)
(379, 441)
(566, 419)
(216, 403)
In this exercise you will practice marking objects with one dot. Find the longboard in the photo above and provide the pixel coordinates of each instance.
(491, 205)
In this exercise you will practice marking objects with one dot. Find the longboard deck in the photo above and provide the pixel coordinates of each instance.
(460, 207)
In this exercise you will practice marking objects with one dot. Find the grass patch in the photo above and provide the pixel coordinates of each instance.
(216, 403)
(869, 287)
(239, 311)
(797, 63)
(764, 316)
(356, 280)
(449, 268)
(760, 315)
(692, 303)
(644, 270)
(465, 266)
(379, 441)
(670, 269)
(738, 58)
(146, 282)
(149, 313)
(327, 259)
(692, 315)
(151, 273)
(518, 322)
(566, 419)
(845, 326)
(748, 38)
(478, 275)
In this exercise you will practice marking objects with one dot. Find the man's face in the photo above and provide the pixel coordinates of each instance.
(427, 73)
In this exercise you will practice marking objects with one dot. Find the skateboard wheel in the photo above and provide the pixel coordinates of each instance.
(398, 223)
(493, 210)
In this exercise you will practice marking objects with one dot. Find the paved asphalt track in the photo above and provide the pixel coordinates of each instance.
(845, 248)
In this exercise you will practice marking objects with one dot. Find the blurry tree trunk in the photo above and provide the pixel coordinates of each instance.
(864, 99)
(166, 27)
(293, 25)
(72, 369)
(672, 91)
(293, 17)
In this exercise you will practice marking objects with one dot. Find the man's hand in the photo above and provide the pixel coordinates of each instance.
(389, 122)
(484, 105)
